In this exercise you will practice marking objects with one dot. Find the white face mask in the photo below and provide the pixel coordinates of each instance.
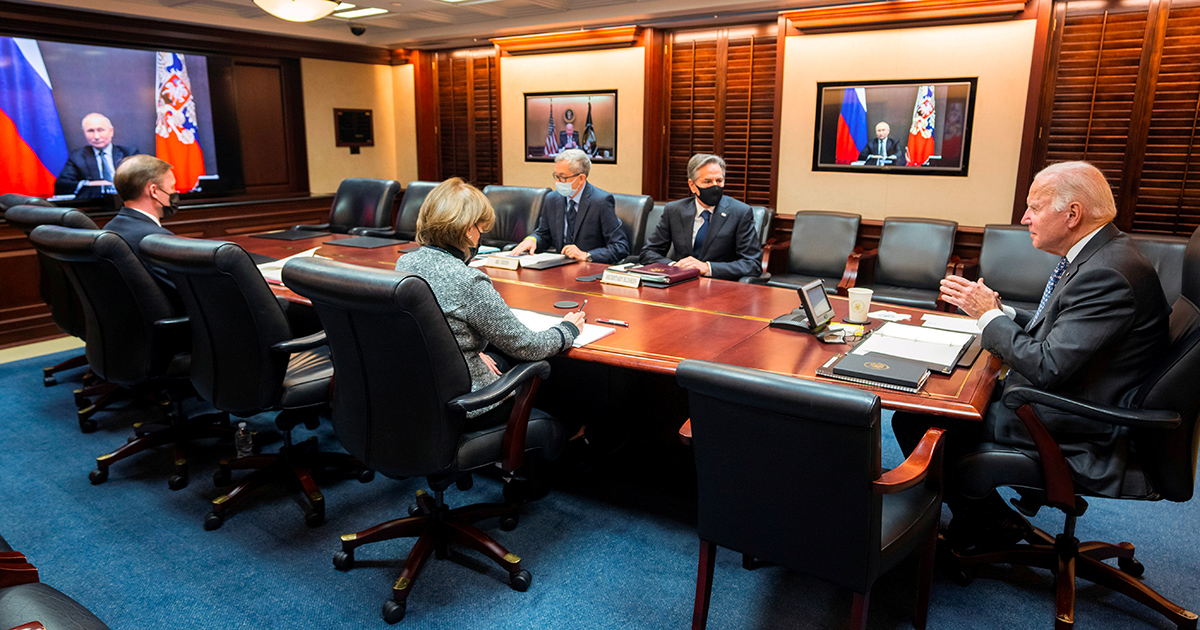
(564, 188)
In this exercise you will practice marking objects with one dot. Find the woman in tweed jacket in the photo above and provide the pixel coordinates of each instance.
(449, 225)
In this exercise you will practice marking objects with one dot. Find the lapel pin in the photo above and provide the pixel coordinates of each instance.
(724, 215)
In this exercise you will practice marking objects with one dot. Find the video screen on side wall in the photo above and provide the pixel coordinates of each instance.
(555, 122)
(916, 127)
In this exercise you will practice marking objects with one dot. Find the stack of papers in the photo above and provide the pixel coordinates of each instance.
(529, 260)
(273, 271)
(939, 349)
(957, 324)
(542, 321)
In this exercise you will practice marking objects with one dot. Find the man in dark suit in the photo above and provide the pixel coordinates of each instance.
(1100, 327)
(578, 219)
(882, 145)
(568, 138)
(89, 170)
(147, 185)
(710, 232)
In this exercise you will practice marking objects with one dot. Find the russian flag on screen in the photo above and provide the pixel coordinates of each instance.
(32, 144)
(175, 122)
(852, 125)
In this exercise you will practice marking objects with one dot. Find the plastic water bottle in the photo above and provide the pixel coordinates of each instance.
(243, 441)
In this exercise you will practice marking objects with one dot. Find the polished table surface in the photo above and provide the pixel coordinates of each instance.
(713, 320)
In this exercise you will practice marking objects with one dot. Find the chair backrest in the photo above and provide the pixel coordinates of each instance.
(362, 202)
(12, 200)
(1166, 254)
(517, 209)
(121, 302)
(234, 321)
(914, 252)
(410, 208)
(55, 288)
(1012, 266)
(653, 218)
(633, 210)
(781, 460)
(821, 242)
(1169, 457)
(762, 222)
(396, 365)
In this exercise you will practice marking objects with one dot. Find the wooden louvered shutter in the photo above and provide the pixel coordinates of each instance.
(468, 116)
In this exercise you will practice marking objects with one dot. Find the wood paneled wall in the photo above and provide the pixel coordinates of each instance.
(468, 114)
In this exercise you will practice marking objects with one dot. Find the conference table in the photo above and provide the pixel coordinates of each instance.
(713, 320)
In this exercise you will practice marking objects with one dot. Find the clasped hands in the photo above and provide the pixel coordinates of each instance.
(974, 298)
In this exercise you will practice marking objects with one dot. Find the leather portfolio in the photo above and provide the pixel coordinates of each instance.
(664, 274)
(878, 370)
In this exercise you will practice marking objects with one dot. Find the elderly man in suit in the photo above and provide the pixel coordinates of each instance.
(147, 185)
(1101, 324)
(578, 219)
(709, 231)
(89, 170)
(882, 145)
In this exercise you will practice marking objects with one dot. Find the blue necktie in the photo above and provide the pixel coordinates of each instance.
(569, 237)
(699, 244)
(105, 170)
(1054, 278)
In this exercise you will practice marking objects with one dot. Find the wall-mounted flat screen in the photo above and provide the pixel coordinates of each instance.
(914, 127)
(556, 121)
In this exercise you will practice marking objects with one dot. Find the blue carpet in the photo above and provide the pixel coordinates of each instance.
(610, 548)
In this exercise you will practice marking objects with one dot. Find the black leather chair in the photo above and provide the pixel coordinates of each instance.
(246, 361)
(517, 209)
(359, 202)
(788, 471)
(1166, 253)
(822, 243)
(908, 266)
(400, 401)
(633, 210)
(405, 227)
(653, 217)
(1010, 264)
(12, 200)
(24, 599)
(134, 339)
(1160, 464)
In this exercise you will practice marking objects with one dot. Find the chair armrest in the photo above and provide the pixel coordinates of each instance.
(370, 231)
(1019, 395)
(924, 461)
(12, 557)
(524, 379)
(685, 432)
(860, 269)
(968, 268)
(292, 346)
(174, 333)
(953, 266)
(773, 262)
(17, 573)
(755, 280)
(315, 227)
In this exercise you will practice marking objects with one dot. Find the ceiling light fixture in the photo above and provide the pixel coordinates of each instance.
(298, 10)
(358, 13)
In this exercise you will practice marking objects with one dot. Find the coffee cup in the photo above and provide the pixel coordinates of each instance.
(860, 305)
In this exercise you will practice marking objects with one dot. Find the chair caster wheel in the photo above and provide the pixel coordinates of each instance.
(520, 581)
(962, 576)
(81, 401)
(98, 476)
(87, 425)
(49, 381)
(213, 521)
(464, 483)
(393, 612)
(177, 482)
(314, 518)
(343, 560)
(414, 509)
(1131, 566)
(222, 478)
(366, 475)
(508, 523)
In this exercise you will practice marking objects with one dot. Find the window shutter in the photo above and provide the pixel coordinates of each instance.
(468, 116)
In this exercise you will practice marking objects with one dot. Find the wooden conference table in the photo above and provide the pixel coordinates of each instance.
(713, 320)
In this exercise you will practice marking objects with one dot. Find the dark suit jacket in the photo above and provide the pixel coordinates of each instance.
(597, 228)
(81, 166)
(562, 140)
(872, 148)
(731, 245)
(133, 226)
(1097, 339)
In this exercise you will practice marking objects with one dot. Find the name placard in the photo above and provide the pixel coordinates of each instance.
(502, 262)
(621, 279)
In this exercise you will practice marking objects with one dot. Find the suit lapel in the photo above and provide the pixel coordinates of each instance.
(687, 218)
(1106, 234)
(93, 168)
(715, 223)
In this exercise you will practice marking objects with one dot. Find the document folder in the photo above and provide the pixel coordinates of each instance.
(877, 370)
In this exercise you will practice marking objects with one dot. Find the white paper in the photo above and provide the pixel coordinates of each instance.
(533, 259)
(891, 316)
(957, 324)
(273, 271)
(930, 345)
(541, 321)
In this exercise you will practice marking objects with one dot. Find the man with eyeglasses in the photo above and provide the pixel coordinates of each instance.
(578, 219)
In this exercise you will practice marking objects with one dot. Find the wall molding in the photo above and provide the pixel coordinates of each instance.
(592, 39)
(900, 12)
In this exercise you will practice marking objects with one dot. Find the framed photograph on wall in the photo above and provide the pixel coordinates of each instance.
(911, 127)
(556, 121)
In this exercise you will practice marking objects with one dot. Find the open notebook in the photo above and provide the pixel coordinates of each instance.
(542, 321)
(939, 349)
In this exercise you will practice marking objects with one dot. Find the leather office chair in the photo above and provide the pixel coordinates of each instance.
(245, 361)
(788, 471)
(822, 243)
(653, 217)
(1166, 253)
(908, 266)
(405, 227)
(404, 416)
(633, 210)
(24, 599)
(359, 202)
(1010, 264)
(1160, 464)
(517, 209)
(134, 339)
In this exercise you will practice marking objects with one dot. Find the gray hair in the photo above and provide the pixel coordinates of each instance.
(577, 160)
(1080, 182)
(700, 160)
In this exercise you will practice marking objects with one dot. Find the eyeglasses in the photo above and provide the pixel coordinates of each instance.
(560, 178)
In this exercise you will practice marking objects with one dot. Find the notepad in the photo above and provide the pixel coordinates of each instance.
(957, 324)
(543, 321)
(939, 349)
(545, 260)
(273, 271)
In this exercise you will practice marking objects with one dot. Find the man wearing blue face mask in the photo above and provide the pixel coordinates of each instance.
(578, 219)
(708, 231)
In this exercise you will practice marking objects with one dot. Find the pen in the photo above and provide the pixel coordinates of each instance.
(581, 306)
(614, 322)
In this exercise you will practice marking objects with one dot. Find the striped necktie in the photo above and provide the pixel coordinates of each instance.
(1054, 278)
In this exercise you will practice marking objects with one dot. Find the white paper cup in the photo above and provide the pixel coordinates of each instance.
(860, 305)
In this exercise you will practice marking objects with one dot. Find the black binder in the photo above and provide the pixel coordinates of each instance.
(877, 370)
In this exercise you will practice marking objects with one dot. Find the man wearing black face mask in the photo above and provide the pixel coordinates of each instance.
(147, 186)
(709, 231)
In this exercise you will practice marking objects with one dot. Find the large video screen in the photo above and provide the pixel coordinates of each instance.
(917, 127)
(61, 102)
(555, 122)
